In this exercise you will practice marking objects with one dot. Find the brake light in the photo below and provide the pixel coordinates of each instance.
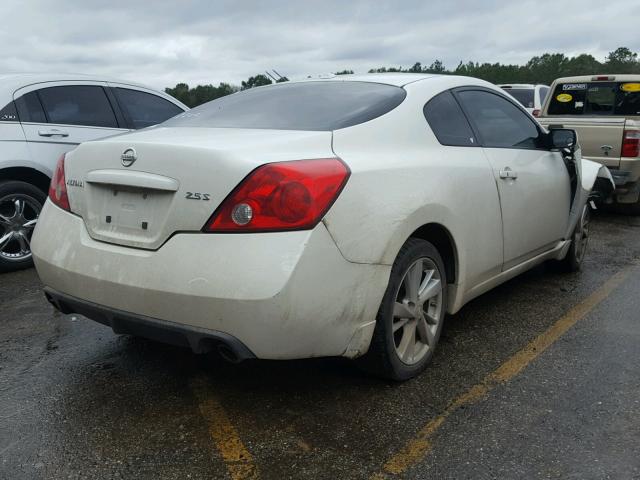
(631, 143)
(603, 78)
(58, 187)
(536, 112)
(279, 196)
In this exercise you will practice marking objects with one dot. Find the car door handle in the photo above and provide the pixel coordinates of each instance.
(54, 132)
(508, 173)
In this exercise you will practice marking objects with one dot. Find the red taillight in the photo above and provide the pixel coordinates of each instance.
(536, 113)
(58, 187)
(281, 196)
(630, 143)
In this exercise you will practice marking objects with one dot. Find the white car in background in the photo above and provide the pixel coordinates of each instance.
(43, 116)
(317, 218)
(530, 96)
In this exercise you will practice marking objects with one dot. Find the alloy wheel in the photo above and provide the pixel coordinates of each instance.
(581, 235)
(417, 311)
(18, 216)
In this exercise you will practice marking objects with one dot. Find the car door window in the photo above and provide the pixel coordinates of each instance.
(144, 109)
(499, 122)
(9, 113)
(30, 109)
(86, 105)
(447, 121)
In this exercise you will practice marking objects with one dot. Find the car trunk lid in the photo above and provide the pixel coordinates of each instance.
(137, 190)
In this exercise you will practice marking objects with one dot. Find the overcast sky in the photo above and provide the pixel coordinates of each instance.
(161, 43)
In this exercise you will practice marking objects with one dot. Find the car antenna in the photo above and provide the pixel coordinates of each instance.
(271, 76)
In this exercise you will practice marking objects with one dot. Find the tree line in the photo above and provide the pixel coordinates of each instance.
(540, 69)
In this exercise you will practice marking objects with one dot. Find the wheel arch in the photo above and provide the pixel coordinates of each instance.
(441, 238)
(28, 175)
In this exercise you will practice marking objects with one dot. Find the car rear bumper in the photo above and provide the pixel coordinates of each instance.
(200, 340)
(280, 295)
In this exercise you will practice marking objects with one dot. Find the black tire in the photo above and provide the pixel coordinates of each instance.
(382, 359)
(574, 258)
(11, 257)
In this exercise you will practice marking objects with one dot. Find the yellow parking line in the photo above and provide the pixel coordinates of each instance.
(420, 445)
(237, 458)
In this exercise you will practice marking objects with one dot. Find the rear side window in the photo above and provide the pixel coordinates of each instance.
(499, 122)
(143, 109)
(596, 98)
(322, 105)
(78, 105)
(447, 121)
(30, 108)
(523, 95)
(544, 91)
(9, 113)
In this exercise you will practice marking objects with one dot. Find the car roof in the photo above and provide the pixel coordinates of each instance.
(390, 78)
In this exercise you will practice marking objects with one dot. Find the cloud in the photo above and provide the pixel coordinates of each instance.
(162, 43)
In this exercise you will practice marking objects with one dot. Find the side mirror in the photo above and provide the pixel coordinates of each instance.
(563, 138)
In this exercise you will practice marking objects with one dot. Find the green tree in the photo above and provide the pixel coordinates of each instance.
(622, 60)
(582, 65)
(540, 69)
(436, 67)
(546, 68)
(256, 81)
(180, 92)
(192, 97)
(385, 70)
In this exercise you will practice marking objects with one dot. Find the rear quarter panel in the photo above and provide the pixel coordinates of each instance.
(402, 179)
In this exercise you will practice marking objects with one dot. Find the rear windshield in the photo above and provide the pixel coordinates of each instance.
(523, 95)
(296, 106)
(596, 98)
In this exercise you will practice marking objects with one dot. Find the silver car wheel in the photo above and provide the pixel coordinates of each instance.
(581, 234)
(417, 311)
(18, 216)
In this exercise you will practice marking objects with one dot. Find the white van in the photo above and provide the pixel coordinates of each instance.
(530, 96)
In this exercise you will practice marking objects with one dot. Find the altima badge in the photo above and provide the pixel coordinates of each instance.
(128, 157)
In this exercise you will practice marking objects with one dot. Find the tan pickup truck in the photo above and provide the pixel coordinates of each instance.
(605, 111)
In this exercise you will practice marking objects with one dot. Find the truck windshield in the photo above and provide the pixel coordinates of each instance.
(596, 98)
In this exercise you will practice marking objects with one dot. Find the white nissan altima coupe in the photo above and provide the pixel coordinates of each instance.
(334, 217)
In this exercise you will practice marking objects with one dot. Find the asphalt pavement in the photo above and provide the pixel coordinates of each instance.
(539, 378)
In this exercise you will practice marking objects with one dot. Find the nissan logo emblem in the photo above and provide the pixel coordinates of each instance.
(128, 157)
